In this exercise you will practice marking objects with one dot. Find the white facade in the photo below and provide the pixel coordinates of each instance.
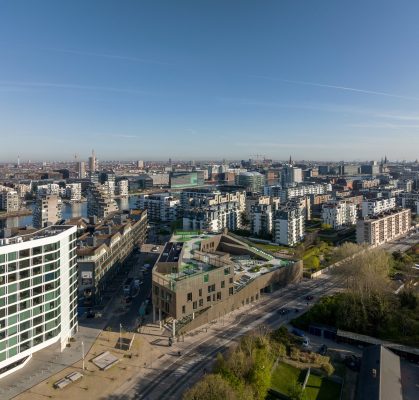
(213, 218)
(50, 188)
(73, 191)
(289, 227)
(261, 219)
(377, 206)
(339, 214)
(160, 207)
(302, 191)
(38, 293)
(122, 188)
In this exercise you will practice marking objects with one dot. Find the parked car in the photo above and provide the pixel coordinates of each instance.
(306, 343)
(309, 297)
(90, 313)
(298, 332)
(283, 311)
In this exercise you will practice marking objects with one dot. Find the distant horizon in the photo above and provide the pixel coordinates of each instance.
(208, 160)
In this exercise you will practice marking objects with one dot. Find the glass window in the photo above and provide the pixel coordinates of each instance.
(24, 253)
(223, 284)
(37, 250)
(194, 305)
(24, 263)
(12, 298)
(11, 256)
(206, 278)
(11, 267)
(189, 297)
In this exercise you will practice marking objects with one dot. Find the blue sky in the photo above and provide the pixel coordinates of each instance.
(209, 79)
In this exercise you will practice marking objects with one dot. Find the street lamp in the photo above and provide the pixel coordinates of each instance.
(82, 353)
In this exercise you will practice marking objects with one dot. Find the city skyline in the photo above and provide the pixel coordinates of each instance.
(209, 81)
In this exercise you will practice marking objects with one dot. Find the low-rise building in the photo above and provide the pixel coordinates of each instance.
(384, 227)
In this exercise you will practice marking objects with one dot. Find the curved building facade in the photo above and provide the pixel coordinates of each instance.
(38, 293)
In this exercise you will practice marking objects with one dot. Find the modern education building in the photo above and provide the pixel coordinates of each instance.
(199, 277)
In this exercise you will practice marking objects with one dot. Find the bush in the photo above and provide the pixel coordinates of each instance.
(327, 368)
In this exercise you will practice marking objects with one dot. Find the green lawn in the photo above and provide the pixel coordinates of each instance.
(318, 388)
(283, 376)
(272, 247)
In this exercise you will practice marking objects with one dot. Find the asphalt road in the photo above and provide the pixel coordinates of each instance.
(171, 379)
(129, 318)
(403, 244)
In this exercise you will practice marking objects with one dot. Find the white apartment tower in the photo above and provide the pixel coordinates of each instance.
(289, 226)
(38, 294)
(338, 214)
(47, 211)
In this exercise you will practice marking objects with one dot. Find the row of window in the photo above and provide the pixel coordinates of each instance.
(25, 253)
(211, 288)
(23, 346)
(25, 290)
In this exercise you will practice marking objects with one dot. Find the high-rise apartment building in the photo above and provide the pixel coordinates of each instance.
(213, 218)
(99, 202)
(92, 163)
(382, 228)
(339, 214)
(291, 175)
(288, 226)
(81, 169)
(122, 188)
(372, 207)
(9, 200)
(38, 294)
(73, 191)
(252, 181)
(47, 211)
(159, 206)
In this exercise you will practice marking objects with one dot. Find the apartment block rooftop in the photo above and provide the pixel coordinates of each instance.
(13, 236)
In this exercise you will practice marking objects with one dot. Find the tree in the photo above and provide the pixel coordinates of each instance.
(212, 387)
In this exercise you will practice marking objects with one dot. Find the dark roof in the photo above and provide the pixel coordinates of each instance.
(171, 252)
(380, 376)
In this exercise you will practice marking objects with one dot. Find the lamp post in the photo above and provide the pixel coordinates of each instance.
(82, 353)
